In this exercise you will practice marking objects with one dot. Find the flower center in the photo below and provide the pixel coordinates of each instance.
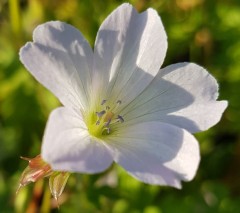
(102, 123)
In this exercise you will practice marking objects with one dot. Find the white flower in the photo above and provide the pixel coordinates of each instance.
(118, 105)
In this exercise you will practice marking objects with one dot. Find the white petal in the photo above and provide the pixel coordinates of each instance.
(67, 145)
(60, 58)
(156, 153)
(129, 50)
(182, 94)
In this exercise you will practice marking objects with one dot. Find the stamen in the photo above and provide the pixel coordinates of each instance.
(100, 114)
(107, 107)
(119, 102)
(120, 118)
(103, 102)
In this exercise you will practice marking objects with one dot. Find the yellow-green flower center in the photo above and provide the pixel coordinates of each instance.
(101, 124)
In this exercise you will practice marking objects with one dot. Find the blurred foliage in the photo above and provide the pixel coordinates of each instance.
(201, 31)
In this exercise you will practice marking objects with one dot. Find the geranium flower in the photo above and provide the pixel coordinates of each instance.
(118, 105)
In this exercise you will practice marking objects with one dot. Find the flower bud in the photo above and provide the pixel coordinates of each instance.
(36, 169)
(57, 182)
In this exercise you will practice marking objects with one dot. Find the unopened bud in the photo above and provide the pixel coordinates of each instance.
(57, 183)
(36, 169)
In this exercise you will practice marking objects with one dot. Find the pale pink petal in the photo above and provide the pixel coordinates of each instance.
(60, 59)
(156, 153)
(129, 50)
(67, 145)
(182, 94)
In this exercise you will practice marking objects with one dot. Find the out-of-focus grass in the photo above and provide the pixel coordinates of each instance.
(205, 32)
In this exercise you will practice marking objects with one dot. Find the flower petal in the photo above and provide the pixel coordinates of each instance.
(60, 59)
(129, 50)
(156, 153)
(182, 94)
(67, 145)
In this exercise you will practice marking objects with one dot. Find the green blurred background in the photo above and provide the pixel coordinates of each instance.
(203, 31)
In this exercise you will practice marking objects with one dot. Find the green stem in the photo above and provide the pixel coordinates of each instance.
(46, 205)
(15, 21)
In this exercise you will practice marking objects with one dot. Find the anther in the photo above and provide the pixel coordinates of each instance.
(107, 107)
(103, 102)
(100, 114)
(120, 119)
(119, 102)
